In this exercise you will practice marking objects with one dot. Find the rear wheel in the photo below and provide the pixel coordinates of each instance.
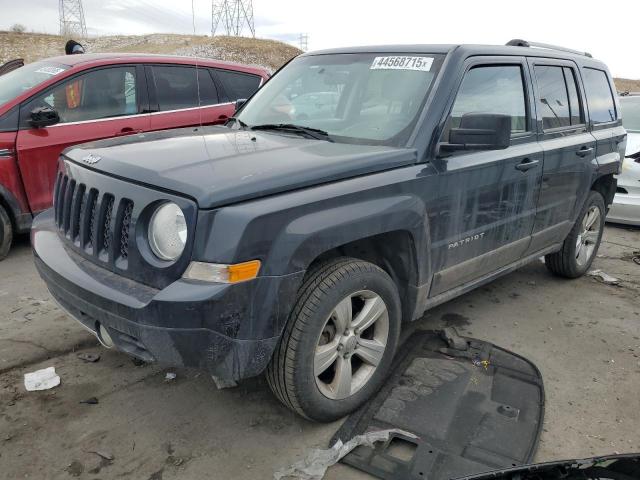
(6, 233)
(339, 341)
(581, 245)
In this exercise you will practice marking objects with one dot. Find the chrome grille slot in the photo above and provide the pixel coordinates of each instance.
(106, 233)
(91, 220)
(60, 200)
(126, 207)
(76, 212)
(56, 197)
(66, 210)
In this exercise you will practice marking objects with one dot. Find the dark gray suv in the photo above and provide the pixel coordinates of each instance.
(355, 190)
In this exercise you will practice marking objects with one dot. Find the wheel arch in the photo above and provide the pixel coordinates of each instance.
(606, 186)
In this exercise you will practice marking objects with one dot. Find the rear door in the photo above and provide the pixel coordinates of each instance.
(569, 149)
(185, 96)
(96, 104)
(486, 213)
(605, 119)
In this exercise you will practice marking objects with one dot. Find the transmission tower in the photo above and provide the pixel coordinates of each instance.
(304, 41)
(72, 19)
(232, 16)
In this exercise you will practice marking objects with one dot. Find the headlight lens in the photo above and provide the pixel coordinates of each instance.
(168, 232)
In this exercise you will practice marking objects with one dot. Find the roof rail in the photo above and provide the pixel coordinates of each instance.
(523, 43)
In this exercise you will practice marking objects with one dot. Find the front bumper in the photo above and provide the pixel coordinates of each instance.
(228, 330)
(625, 209)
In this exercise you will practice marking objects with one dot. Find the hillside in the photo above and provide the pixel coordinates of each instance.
(270, 54)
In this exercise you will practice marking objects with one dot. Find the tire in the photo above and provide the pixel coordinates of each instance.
(316, 326)
(6, 233)
(581, 245)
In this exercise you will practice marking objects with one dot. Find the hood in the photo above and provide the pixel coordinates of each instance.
(218, 166)
(633, 143)
(609, 467)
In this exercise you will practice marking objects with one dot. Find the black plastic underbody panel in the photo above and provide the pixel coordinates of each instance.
(474, 408)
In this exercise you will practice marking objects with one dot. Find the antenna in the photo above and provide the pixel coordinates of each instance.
(72, 22)
(231, 16)
(304, 42)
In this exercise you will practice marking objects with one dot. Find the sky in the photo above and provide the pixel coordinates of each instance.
(336, 23)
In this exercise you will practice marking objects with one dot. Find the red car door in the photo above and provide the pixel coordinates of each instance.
(174, 97)
(100, 103)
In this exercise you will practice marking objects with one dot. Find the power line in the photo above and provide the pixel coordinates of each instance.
(231, 17)
(72, 22)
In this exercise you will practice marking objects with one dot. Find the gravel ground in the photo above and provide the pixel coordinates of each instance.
(583, 335)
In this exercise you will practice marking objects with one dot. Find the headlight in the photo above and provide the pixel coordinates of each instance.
(168, 232)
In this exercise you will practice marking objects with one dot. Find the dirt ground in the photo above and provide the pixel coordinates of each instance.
(582, 334)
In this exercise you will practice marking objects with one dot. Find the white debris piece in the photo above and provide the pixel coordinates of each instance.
(221, 383)
(41, 379)
(315, 465)
(604, 277)
(170, 376)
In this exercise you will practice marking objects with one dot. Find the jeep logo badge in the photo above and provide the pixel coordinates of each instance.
(91, 159)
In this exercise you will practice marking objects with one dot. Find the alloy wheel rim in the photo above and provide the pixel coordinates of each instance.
(588, 238)
(351, 344)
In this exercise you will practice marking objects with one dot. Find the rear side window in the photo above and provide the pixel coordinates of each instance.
(559, 102)
(492, 89)
(238, 85)
(602, 108)
(176, 87)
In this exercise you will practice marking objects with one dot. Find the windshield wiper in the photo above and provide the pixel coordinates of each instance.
(290, 127)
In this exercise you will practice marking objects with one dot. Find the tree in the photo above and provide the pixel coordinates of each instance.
(18, 28)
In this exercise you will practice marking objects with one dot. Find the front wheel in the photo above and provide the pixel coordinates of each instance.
(581, 245)
(339, 342)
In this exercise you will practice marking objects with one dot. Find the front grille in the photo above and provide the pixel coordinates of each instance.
(92, 220)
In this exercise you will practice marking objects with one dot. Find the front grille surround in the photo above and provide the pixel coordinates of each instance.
(105, 220)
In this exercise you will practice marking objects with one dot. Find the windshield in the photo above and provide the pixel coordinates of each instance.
(25, 78)
(355, 98)
(631, 113)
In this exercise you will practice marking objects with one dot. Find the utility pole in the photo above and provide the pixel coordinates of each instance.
(72, 22)
(231, 17)
(304, 42)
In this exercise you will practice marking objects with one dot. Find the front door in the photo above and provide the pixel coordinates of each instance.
(93, 105)
(487, 208)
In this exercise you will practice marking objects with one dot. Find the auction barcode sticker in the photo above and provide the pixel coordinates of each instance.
(422, 64)
(50, 70)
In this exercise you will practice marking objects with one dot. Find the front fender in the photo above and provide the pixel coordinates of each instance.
(287, 232)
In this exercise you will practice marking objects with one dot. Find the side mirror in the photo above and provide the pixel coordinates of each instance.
(480, 131)
(43, 117)
(240, 103)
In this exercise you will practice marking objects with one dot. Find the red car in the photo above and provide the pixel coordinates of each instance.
(49, 105)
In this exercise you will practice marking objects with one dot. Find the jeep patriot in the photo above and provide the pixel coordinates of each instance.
(356, 189)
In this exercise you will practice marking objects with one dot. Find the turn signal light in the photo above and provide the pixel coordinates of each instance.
(219, 273)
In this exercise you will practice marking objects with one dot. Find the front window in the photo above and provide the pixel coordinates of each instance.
(630, 107)
(355, 98)
(97, 94)
(26, 78)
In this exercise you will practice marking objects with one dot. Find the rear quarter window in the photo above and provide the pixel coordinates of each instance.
(238, 85)
(602, 107)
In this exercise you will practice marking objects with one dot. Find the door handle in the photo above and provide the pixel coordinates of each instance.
(584, 151)
(527, 164)
(223, 117)
(127, 131)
